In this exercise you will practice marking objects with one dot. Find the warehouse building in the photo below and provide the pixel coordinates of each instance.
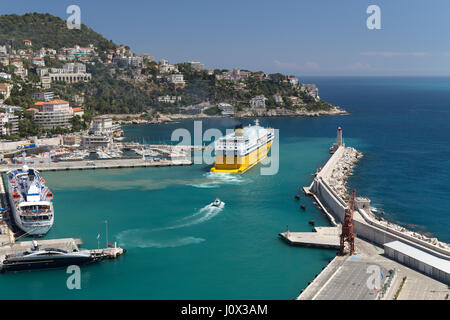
(419, 260)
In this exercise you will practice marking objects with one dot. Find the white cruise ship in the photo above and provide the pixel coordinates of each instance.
(239, 151)
(31, 201)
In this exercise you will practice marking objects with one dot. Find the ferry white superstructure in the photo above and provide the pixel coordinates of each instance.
(31, 201)
(237, 152)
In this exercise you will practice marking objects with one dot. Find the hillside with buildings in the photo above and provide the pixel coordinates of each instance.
(54, 80)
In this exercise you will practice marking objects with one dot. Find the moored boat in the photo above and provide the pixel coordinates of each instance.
(31, 201)
(46, 258)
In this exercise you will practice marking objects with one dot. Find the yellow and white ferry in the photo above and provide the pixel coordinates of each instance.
(239, 151)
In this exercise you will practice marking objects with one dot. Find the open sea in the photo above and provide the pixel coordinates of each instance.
(178, 248)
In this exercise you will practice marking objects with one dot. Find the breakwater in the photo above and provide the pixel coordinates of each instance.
(328, 190)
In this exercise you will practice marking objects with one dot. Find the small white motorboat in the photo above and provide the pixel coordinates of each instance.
(217, 203)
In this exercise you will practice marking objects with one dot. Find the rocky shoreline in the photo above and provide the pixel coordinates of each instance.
(166, 118)
(291, 113)
(342, 170)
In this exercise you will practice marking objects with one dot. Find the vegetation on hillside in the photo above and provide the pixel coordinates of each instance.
(48, 31)
(121, 89)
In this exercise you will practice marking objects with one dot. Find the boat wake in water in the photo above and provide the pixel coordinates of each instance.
(138, 238)
(204, 214)
(141, 238)
(214, 180)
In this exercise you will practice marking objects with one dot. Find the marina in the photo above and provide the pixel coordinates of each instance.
(41, 254)
(103, 146)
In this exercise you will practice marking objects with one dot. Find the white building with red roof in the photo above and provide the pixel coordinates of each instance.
(52, 114)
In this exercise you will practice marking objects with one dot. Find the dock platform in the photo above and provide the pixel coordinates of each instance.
(323, 237)
(100, 164)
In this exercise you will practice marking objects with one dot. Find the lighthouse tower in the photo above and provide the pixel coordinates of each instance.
(339, 141)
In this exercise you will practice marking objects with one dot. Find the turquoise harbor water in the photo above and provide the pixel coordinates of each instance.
(179, 249)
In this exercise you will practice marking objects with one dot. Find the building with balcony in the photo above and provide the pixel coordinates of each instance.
(130, 61)
(78, 111)
(9, 124)
(38, 61)
(102, 125)
(169, 99)
(69, 73)
(293, 80)
(258, 102)
(197, 66)
(177, 79)
(226, 109)
(93, 142)
(43, 96)
(52, 114)
(5, 90)
(100, 134)
(5, 76)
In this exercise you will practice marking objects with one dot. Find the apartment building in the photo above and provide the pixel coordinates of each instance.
(197, 66)
(52, 114)
(70, 73)
(177, 79)
(43, 96)
(258, 102)
(9, 124)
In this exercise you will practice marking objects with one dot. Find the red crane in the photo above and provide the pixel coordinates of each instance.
(347, 234)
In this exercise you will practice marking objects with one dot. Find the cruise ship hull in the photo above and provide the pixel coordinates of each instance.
(238, 164)
(30, 201)
(31, 229)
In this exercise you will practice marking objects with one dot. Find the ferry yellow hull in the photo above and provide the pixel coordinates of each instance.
(240, 164)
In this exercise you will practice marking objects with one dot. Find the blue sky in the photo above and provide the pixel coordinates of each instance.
(319, 37)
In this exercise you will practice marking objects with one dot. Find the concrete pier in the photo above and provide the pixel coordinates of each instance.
(6, 232)
(366, 225)
(347, 277)
(100, 164)
(353, 278)
(323, 237)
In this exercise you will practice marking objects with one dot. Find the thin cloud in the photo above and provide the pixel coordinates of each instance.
(306, 66)
(356, 66)
(390, 54)
(360, 66)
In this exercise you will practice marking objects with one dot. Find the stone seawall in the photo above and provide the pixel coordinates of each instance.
(329, 188)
